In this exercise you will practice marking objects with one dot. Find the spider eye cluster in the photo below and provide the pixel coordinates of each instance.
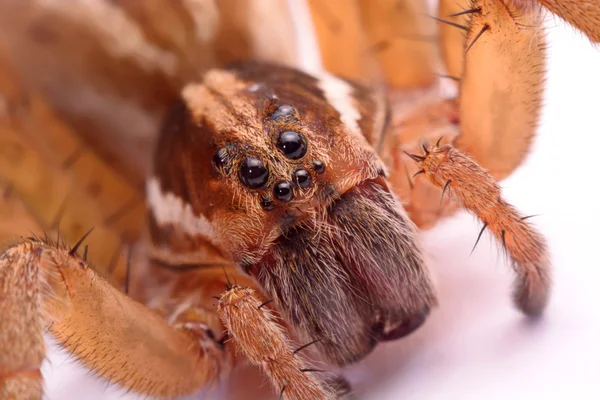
(254, 174)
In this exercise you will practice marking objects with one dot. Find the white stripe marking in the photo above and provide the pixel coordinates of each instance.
(339, 95)
(170, 209)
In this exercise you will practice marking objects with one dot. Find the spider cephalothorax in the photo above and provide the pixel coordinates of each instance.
(295, 195)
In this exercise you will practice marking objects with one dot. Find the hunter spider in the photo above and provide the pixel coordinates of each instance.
(284, 207)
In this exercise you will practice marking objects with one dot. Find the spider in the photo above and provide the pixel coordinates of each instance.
(283, 206)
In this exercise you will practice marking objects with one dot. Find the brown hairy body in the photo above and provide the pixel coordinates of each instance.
(282, 209)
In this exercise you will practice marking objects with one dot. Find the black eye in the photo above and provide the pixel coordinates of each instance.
(253, 173)
(318, 166)
(283, 191)
(302, 178)
(267, 204)
(283, 111)
(292, 144)
(220, 158)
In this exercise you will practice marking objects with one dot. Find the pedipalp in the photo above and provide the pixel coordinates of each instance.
(479, 193)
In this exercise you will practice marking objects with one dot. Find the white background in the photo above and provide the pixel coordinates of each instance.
(476, 345)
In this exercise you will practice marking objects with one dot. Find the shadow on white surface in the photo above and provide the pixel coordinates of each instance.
(476, 345)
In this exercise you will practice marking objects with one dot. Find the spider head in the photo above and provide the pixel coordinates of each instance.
(275, 170)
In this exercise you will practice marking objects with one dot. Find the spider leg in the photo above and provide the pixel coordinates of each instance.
(452, 40)
(265, 343)
(63, 184)
(501, 86)
(238, 317)
(431, 120)
(48, 287)
(374, 42)
(495, 114)
(493, 119)
(582, 15)
(477, 191)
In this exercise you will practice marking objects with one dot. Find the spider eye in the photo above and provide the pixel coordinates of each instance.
(267, 204)
(318, 166)
(253, 173)
(220, 158)
(292, 144)
(283, 111)
(302, 178)
(283, 191)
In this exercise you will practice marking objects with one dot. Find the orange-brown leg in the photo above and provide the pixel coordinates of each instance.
(425, 123)
(476, 190)
(452, 37)
(46, 286)
(256, 332)
(496, 52)
(502, 85)
(376, 41)
(583, 15)
(401, 40)
(495, 114)
(221, 300)
(493, 120)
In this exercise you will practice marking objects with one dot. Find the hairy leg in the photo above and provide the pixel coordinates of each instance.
(583, 15)
(476, 190)
(375, 42)
(47, 286)
(452, 38)
(256, 332)
(425, 123)
(502, 85)
(222, 301)
(60, 180)
(495, 114)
